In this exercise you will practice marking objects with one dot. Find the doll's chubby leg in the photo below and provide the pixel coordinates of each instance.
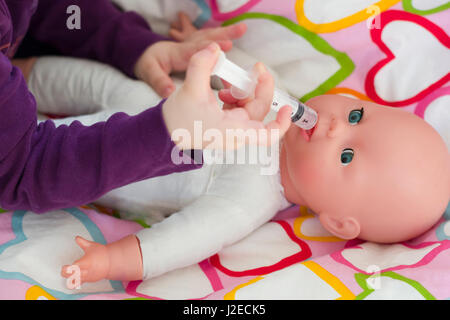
(71, 86)
(119, 260)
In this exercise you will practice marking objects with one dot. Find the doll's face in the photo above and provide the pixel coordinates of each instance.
(369, 171)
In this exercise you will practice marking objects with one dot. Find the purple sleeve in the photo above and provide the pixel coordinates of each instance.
(43, 167)
(106, 34)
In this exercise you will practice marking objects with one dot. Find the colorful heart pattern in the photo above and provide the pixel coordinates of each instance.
(306, 64)
(314, 47)
(324, 16)
(425, 7)
(403, 78)
(389, 257)
(434, 109)
(46, 242)
(227, 9)
(316, 283)
(287, 249)
(392, 286)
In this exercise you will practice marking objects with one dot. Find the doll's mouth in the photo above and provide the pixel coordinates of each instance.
(307, 134)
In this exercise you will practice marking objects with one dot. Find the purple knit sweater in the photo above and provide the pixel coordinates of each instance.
(43, 167)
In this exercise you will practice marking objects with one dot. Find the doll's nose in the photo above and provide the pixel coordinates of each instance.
(334, 128)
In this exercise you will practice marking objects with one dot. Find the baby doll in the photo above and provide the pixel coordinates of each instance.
(369, 171)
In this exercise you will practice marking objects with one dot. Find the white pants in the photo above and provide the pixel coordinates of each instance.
(85, 90)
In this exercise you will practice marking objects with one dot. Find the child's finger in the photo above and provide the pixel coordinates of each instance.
(281, 124)
(226, 84)
(274, 130)
(176, 24)
(260, 105)
(185, 21)
(227, 106)
(234, 31)
(175, 34)
(265, 86)
(199, 70)
(225, 45)
(226, 97)
(158, 79)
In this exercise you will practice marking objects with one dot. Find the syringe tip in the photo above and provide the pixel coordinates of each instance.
(308, 119)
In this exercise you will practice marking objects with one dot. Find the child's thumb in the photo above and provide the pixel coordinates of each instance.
(200, 66)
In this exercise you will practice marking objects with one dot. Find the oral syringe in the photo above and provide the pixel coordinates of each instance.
(243, 84)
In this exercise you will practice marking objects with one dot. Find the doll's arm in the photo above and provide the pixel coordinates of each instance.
(189, 236)
(195, 233)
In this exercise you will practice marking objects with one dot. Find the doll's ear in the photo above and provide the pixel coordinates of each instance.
(342, 227)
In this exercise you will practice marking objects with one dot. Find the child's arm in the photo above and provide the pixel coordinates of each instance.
(105, 34)
(44, 168)
(121, 39)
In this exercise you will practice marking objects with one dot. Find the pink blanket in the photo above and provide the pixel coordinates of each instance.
(399, 58)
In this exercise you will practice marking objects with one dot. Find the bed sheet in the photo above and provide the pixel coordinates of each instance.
(392, 52)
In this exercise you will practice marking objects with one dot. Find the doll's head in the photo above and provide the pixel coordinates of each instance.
(371, 172)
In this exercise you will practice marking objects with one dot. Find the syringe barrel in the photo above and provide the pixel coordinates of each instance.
(305, 118)
(244, 83)
(302, 115)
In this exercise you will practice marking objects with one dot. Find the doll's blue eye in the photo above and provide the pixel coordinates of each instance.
(355, 116)
(347, 156)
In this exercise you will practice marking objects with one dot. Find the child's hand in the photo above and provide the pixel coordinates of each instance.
(195, 101)
(94, 265)
(184, 30)
(163, 57)
(263, 96)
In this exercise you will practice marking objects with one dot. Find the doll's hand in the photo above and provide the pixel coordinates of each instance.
(184, 30)
(94, 265)
(195, 103)
(164, 57)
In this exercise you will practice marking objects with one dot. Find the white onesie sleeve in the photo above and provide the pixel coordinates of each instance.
(191, 235)
(239, 201)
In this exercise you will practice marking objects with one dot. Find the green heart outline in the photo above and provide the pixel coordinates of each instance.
(361, 279)
(320, 44)
(408, 6)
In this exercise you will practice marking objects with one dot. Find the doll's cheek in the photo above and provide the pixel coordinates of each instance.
(308, 172)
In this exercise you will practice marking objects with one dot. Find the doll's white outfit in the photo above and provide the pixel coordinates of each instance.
(193, 214)
(202, 211)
